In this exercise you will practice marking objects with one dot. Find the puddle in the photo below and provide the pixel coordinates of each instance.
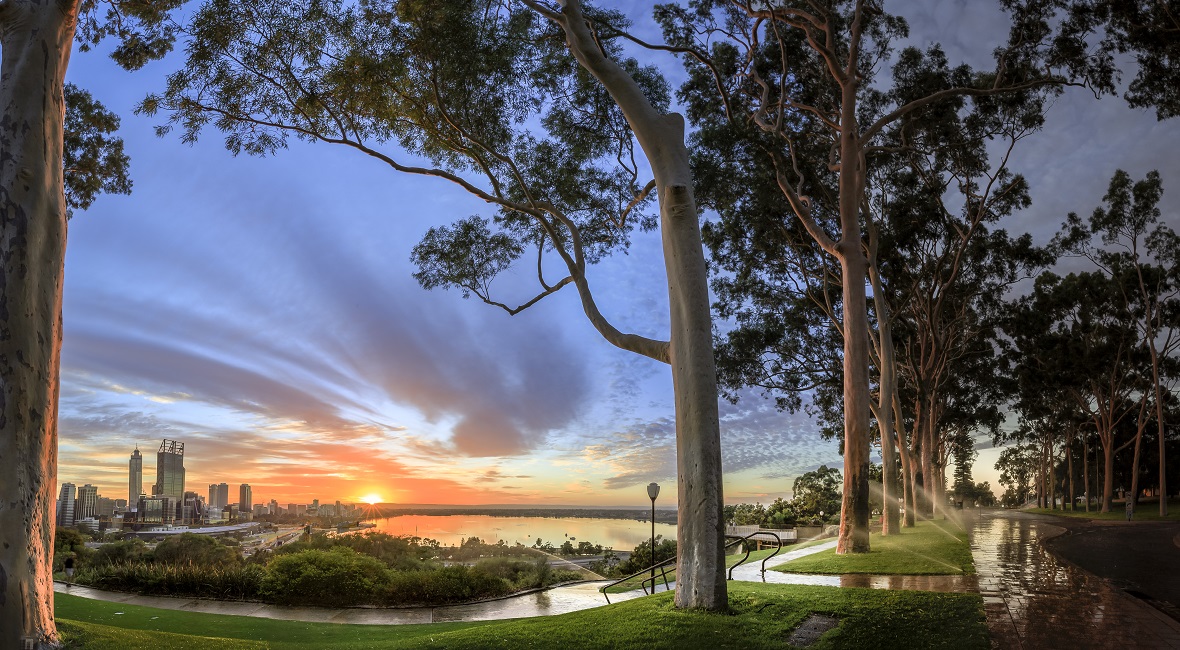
(810, 630)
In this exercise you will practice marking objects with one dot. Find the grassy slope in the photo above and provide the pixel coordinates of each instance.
(762, 616)
(1149, 511)
(931, 548)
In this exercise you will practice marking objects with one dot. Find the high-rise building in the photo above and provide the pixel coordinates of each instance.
(245, 498)
(65, 505)
(87, 503)
(106, 507)
(213, 496)
(170, 470)
(273, 507)
(135, 477)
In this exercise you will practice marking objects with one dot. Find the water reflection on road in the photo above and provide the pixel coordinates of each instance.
(1034, 600)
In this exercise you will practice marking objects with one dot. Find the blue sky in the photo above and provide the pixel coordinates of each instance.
(262, 311)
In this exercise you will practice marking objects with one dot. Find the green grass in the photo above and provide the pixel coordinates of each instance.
(1149, 511)
(931, 548)
(761, 616)
(730, 560)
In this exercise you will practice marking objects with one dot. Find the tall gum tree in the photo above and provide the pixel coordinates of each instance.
(528, 107)
(56, 155)
(802, 70)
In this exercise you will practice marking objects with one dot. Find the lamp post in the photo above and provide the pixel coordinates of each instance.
(653, 491)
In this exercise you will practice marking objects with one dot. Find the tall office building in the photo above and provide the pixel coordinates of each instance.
(170, 470)
(135, 477)
(87, 503)
(212, 495)
(222, 495)
(245, 498)
(65, 505)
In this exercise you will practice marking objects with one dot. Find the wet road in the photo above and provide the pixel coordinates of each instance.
(1033, 600)
(1140, 558)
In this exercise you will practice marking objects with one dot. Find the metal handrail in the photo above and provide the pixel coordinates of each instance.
(643, 584)
(742, 561)
(662, 566)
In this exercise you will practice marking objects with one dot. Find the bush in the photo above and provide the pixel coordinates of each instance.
(191, 548)
(234, 582)
(122, 552)
(339, 577)
(453, 584)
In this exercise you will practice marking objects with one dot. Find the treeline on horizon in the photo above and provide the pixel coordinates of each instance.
(663, 516)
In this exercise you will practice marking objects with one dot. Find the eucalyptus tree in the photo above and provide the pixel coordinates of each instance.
(528, 107)
(51, 161)
(1077, 335)
(1146, 253)
(1150, 31)
(803, 73)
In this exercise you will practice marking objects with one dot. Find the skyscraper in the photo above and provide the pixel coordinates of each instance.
(87, 503)
(65, 505)
(222, 495)
(170, 470)
(135, 477)
(245, 498)
(213, 496)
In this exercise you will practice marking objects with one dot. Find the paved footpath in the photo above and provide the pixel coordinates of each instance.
(1033, 600)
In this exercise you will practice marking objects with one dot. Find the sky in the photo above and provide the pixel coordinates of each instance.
(262, 312)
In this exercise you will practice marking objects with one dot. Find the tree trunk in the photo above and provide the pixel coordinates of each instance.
(35, 39)
(854, 510)
(890, 518)
(700, 563)
(1133, 495)
(1073, 503)
(929, 476)
(1107, 476)
(1052, 473)
(700, 559)
(1086, 470)
(911, 506)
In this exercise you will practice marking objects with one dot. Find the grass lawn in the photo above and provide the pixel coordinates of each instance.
(730, 560)
(1149, 511)
(931, 548)
(761, 616)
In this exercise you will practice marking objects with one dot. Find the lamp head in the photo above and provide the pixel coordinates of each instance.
(653, 490)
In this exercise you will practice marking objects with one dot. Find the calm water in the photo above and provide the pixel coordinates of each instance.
(620, 534)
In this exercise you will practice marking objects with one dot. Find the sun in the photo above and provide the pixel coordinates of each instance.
(371, 499)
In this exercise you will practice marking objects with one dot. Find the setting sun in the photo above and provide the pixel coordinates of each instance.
(371, 498)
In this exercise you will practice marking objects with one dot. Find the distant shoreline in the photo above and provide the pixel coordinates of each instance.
(386, 511)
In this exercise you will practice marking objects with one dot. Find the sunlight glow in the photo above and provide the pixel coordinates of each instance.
(371, 498)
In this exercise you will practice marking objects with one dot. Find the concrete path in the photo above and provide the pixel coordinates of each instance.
(1035, 600)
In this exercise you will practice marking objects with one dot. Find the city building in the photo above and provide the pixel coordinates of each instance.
(245, 498)
(86, 505)
(106, 507)
(170, 470)
(135, 477)
(213, 496)
(65, 505)
(156, 510)
(273, 507)
(222, 495)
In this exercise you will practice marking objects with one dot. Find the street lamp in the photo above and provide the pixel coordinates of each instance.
(653, 491)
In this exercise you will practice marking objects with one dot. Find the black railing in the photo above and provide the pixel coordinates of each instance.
(663, 566)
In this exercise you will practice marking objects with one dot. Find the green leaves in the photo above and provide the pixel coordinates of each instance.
(466, 255)
(93, 159)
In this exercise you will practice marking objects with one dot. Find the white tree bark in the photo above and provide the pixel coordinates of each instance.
(35, 41)
(700, 564)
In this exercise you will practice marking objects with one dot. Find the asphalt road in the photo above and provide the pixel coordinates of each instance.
(1140, 558)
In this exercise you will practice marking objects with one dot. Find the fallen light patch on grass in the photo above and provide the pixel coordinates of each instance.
(760, 616)
(931, 548)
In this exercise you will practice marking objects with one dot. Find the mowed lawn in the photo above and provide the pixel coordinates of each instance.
(1146, 511)
(931, 548)
(760, 616)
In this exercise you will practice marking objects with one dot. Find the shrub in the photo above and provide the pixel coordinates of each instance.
(121, 552)
(233, 582)
(191, 548)
(453, 584)
(336, 577)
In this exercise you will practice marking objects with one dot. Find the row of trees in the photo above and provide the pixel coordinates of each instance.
(535, 109)
(1093, 352)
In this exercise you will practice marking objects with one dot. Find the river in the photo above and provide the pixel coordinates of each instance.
(449, 530)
